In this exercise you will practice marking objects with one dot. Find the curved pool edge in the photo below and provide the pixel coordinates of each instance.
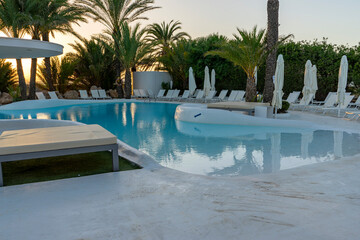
(124, 150)
(199, 113)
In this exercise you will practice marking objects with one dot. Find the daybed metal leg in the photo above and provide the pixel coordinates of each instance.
(115, 159)
(1, 177)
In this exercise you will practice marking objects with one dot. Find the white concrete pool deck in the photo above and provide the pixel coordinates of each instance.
(320, 201)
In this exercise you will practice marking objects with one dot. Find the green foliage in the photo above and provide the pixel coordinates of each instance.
(62, 73)
(165, 85)
(285, 106)
(326, 57)
(14, 91)
(7, 75)
(161, 36)
(94, 63)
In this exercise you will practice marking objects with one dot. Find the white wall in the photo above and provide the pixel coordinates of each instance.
(150, 80)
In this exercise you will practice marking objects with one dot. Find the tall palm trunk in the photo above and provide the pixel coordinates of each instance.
(32, 87)
(22, 83)
(250, 90)
(48, 76)
(272, 38)
(128, 83)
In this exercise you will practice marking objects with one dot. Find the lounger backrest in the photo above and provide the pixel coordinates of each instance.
(348, 99)
(40, 95)
(210, 95)
(143, 93)
(169, 93)
(293, 97)
(357, 101)
(53, 95)
(307, 101)
(200, 94)
(222, 94)
(151, 94)
(102, 93)
(175, 93)
(329, 94)
(136, 93)
(330, 101)
(83, 94)
(185, 94)
(240, 95)
(95, 93)
(196, 92)
(161, 93)
(232, 95)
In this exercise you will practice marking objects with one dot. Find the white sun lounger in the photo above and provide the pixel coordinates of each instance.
(40, 95)
(292, 98)
(95, 94)
(53, 95)
(210, 96)
(151, 94)
(102, 94)
(84, 95)
(303, 102)
(344, 106)
(184, 96)
(161, 93)
(56, 141)
(240, 96)
(329, 102)
(232, 96)
(222, 95)
(356, 104)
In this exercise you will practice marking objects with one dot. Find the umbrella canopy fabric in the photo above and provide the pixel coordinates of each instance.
(313, 85)
(213, 80)
(306, 91)
(343, 72)
(279, 83)
(207, 85)
(192, 83)
(25, 48)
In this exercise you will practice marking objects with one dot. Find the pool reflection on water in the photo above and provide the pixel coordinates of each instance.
(205, 148)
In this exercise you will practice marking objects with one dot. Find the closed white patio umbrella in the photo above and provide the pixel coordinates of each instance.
(213, 80)
(192, 83)
(306, 91)
(279, 83)
(255, 75)
(207, 85)
(313, 85)
(343, 72)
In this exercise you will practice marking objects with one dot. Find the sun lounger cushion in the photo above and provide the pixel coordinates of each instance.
(54, 138)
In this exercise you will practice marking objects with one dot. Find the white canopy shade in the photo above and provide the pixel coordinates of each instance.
(192, 83)
(306, 91)
(207, 85)
(25, 48)
(279, 83)
(213, 80)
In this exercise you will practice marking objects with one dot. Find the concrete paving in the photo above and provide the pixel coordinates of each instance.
(320, 201)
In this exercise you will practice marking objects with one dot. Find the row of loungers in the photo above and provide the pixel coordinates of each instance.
(95, 94)
(198, 96)
(349, 109)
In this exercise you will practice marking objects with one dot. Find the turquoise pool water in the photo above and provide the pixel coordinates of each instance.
(204, 148)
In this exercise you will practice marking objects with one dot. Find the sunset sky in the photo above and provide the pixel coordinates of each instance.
(339, 21)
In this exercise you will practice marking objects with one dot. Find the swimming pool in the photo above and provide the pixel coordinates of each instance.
(206, 149)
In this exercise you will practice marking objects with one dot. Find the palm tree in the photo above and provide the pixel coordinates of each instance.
(130, 49)
(272, 39)
(177, 62)
(62, 72)
(57, 16)
(12, 23)
(161, 36)
(247, 51)
(113, 13)
(95, 63)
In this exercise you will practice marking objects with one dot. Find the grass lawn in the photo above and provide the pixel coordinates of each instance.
(51, 168)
